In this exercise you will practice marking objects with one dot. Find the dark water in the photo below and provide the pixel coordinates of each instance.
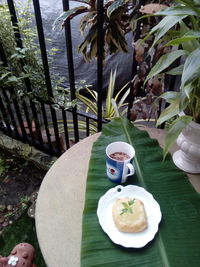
(50, 10)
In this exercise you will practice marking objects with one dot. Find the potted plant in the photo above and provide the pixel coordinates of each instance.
(180, 30)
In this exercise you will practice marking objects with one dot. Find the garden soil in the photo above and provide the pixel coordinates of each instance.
(19, 183)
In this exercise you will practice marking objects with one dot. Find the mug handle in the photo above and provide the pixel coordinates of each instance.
(131, 169)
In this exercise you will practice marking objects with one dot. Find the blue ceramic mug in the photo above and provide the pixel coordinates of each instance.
(119, 156)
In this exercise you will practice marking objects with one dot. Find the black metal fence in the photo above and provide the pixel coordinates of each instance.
(27, 120)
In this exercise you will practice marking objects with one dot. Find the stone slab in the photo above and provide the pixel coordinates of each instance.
(26, 151)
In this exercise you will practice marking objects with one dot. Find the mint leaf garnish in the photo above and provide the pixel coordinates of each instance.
(127, 206)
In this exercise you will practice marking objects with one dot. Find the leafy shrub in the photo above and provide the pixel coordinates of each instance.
(24, 62)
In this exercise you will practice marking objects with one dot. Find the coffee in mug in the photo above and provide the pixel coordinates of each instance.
(119, 156)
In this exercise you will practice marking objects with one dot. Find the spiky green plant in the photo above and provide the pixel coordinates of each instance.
(113, 101)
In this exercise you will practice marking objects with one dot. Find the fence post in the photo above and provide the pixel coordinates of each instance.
(100, 49)
(68, 41)
(46, 68)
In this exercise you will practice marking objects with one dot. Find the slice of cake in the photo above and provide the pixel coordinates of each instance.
(129, 215)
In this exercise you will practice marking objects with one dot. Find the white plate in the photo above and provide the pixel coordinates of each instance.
(129, 240)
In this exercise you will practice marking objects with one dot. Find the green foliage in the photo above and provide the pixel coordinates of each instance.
(114, 106)
(114, 103)
(119, 19)
(3, 167)
(17, 162)
(184, 17)
(24, 62)
(23, 202)
(13, 74)
(164, 62)
(174, 130)
(118, 16)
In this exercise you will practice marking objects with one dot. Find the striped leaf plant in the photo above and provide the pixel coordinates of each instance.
(114, 103)
(119, 19)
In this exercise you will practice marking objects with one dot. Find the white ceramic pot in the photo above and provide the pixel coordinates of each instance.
(188, 157)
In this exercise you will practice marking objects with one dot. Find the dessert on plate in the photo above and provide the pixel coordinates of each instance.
(129, 215)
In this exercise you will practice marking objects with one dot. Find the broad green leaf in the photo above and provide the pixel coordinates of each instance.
(164, 26)
(192, 5)
(164, 62)
(176, 11)
(190, 45)
(188, 89)
(174, 130)
(187, 94)
(170, 96)
(173, 109)
(188, 2)
(183, 102)
(192, 35)
(178, 232)
(176, 71)
(67, 14)
(115, 5)
(191, 68)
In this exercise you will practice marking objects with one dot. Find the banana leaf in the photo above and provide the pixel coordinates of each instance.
(177, 242)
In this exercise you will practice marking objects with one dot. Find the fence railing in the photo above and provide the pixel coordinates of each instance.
(36, 121)
(20, 119)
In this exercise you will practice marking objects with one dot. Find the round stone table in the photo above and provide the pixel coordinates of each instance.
(60, 203)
